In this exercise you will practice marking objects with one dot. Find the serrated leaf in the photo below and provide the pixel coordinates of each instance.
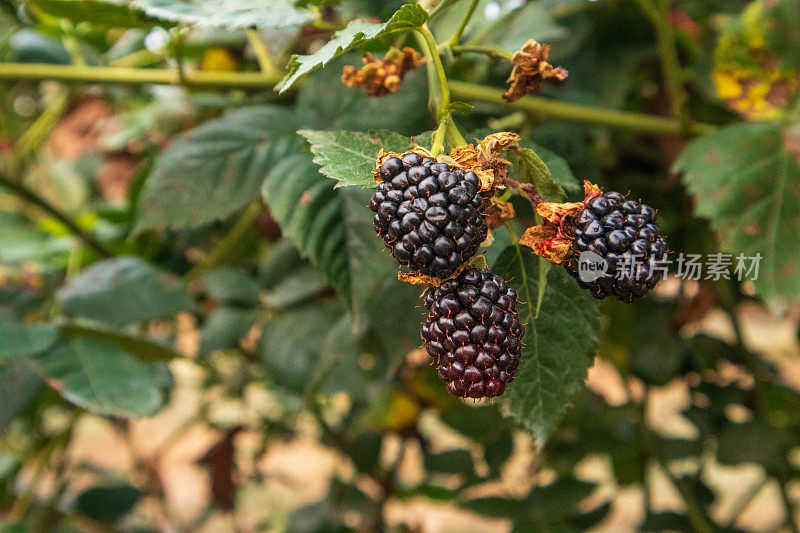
(558, 167)
(332, 227)
(98, 12)
(18, 339)
(212, 171)
(746, 181)
(356, 33)
(102, 378)
(122, 291)
(349, 156)
(559, 344)
(528, 167)
(227, 13)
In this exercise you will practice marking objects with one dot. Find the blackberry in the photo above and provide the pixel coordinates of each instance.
(428, 214)
(473, 333)
(624, 233)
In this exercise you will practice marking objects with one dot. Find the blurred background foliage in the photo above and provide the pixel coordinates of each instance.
(199, 332)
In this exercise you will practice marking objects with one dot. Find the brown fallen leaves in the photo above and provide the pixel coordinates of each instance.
(531, 69)
(382, 76)
(552, 238)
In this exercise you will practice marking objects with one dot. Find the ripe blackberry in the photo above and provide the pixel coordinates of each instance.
(428, 214)
(473, 333)
(625, 234)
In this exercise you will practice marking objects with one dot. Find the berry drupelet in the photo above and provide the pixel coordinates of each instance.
(428, 214)
(625, 234)
(473, 333)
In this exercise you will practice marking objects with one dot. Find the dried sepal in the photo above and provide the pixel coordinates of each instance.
(384, 155)
(531, 69)
(484, 159)
(431, 281)
(552, 239)
(497, 213)
(382, 76)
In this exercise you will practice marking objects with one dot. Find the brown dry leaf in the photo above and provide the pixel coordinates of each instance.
(497, 213)
(552, 238)
(421, 279)
(531, 69)
(382, 76)
(77, 132)
(483, 159)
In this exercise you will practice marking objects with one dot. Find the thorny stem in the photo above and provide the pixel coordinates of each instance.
(30, 196)
(463, 25)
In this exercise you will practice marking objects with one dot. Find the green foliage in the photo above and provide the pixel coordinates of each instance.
(102, 378)
(237, 250)
(559, 343)
(212, 171)
(745, 179)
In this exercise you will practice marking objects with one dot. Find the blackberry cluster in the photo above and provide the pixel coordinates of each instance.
(625, 234)
(428, 215)
(473, 333)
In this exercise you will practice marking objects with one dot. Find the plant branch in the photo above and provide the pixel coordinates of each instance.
(464, 22)
(444, 4)
(545, 108)
(133, 76)
(658, 13)
(540, 107)
(32, 197)
(261, 52)
(491, 51)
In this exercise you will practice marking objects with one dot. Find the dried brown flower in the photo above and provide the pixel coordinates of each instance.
(530, 70)
(382, 76)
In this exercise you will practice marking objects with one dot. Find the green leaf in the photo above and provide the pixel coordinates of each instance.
(20, 385)
(349, 156)
(557, 166)
(101, 378)
(231, 285)
(460, 107)
(747, 183)
(18, 339)
(559, 344)
(450, 462)
(98, 12)
(290, 343)
(122, 291)
(333, 228)
(528, 167)
(227, 13)
(214, 170)
(140, 347)
(225, 327)
(356, 33)
(107, 504)
(295, 288)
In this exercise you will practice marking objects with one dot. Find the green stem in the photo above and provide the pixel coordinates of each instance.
(438, 138)
(32, 197)
(439, 90)
(463, 25)
(261, 52)
(452, 134)
(227, 246)
(658, 14)
(551, 109)
(491, 51)
(133, 76)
